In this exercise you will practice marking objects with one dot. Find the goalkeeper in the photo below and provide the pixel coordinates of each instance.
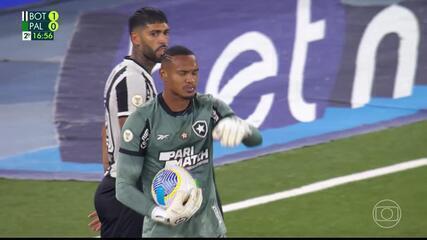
(178, 127)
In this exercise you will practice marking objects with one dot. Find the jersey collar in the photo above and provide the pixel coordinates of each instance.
(141, 66)
(165, 107)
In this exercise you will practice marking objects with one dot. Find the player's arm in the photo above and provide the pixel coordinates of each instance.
(231, 130)
(131, 93)
(129, 169)
(126, 87)
(122, 121)
(105, 162)
(129, 166)
(122, 114)
(254, 137)
(182, 208)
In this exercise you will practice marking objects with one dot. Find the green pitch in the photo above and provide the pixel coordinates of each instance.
(342, 211)
(59, 208)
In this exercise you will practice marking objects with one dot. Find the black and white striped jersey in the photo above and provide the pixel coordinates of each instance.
(128, 87)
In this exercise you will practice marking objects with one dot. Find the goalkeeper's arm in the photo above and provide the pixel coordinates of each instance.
(254, 138)
(128, 172)
(231, 131)
(182, 208)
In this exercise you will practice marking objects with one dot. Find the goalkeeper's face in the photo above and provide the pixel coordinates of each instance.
(181, 75)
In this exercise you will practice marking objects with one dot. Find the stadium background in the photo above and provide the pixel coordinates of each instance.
(305, 72)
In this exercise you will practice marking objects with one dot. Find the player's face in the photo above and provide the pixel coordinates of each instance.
(181, 76)
(152, 40)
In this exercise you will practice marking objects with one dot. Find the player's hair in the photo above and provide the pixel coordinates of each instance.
(178, 50)
(175, 51)
(146, 15)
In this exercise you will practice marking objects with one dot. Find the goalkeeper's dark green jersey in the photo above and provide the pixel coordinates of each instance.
(154, 136)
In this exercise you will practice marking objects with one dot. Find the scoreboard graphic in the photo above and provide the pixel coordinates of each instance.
(39, 25)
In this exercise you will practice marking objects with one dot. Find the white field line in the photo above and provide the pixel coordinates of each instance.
(321, 185)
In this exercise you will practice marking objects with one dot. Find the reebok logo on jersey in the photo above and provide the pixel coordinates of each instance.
(200, 128)
(186, 157)
(161, 137)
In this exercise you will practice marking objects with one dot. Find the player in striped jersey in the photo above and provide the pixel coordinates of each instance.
(129, 86)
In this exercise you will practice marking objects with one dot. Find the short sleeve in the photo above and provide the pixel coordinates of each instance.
(132, 92)
(135, 135)
(121, 97)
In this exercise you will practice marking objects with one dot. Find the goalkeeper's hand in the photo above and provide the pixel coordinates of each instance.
(183, 207)
(230, 131)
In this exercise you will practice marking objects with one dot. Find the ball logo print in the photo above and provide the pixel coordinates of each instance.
(168, 182)
(386, 213)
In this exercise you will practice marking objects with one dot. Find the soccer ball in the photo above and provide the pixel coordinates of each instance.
(168, 181)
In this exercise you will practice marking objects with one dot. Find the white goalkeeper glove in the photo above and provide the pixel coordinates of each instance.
(231, 131)
(182, 208)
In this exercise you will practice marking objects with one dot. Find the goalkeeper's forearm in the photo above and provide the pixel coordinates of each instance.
(128, 172)
(254, 139)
